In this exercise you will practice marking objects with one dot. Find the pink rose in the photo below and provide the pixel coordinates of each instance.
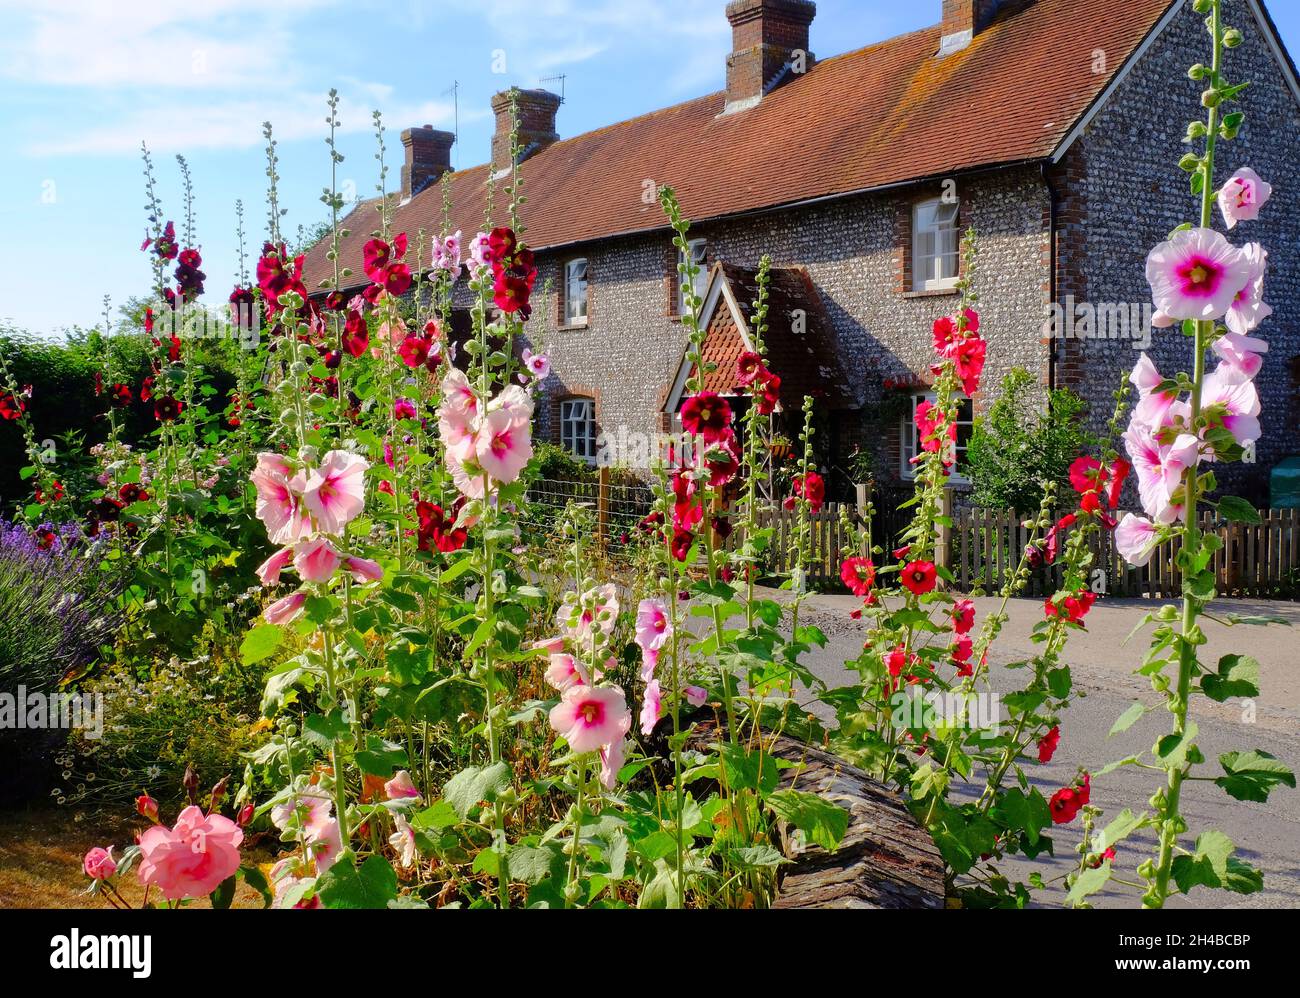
(193, 858)
(98, 863)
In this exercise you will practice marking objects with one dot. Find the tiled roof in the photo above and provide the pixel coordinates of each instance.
(881, 115)
(802, 355)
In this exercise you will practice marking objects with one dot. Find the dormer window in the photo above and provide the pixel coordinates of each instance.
(935, 254)
(575, 292)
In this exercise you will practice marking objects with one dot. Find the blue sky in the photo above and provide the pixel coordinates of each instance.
(86, 80)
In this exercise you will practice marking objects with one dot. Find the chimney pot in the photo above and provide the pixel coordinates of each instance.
(537, 109)
(428, 157)
(766, 37)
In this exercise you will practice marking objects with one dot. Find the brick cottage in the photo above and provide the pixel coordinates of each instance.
(1052, 126)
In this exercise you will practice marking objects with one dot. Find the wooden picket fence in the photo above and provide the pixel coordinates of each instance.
(1256, 560)
(829, 543)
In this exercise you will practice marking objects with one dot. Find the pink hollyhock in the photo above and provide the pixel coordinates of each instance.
(457, 436)
(516, 403)
(969, 320)
(1196, 274)
(310, 810)
(695, 695)
(1135, 539)
(611, 761)
(1241, 352)
(538, 364)
(649, 662)
(269, 571)
(459, 401)
(1047, 744)
(98, 863)
(480, 251)
(1241, 198)
(466, 475)
(895, 660)
(278, 504)
(1152, 405)
(588, 717)
(652, 624)
(403, 409)
(503, 446)
(1248, 310)
(363, 570)
(335, 492)
(1159, 468)
(193, 858)
(284, 610)
(403, 842)
(446, 253)
(651, 707)
(563, 672)
(963, 616)
(706, 415)
(1229, 399)
(401, 787)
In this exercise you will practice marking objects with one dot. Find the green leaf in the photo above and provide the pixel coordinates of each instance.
(437, 816)
(1028, 813)
(1238, 510)
(1059, 682)
(1129, 718)
(1121, 827)
(820, 820)
(323, 730)
(260, 643)
(1088, 882)
(345, 886)
(1252, 775)
(224, 894)
(1214, 865)
(1174, 748)
(1238, 676)
(473, 784)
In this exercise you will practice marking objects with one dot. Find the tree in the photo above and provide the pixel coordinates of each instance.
(1020, 444)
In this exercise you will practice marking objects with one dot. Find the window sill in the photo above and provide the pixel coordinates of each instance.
(570, 326)
(932, 292)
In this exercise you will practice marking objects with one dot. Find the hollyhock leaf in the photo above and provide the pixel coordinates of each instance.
(533, 864)
(1255, 620)
(1120, 827)
(1237, 510)
(1129, 718)
(1252, 775)
(476, 783)
(1211, 865)
(1027, 812)
(260, 643)
(1110, 767)
(753, 770)
(821, 821)
(1059, 682)
(1088, 882)
(372, 885)
(437, 817)
(323, 730)
(1174, 748)
(1238, 676)
(380, 758)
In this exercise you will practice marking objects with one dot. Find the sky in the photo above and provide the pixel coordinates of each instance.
(86, 81)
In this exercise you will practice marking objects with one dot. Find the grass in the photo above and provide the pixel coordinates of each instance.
(40, 860)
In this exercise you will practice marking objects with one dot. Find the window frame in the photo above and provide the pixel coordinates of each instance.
(911, 437)
(701, 279)
(568, 316)
(569, 426)
(934, 260)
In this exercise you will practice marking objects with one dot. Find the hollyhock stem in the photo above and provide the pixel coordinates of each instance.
(571, 883)
(1191, 536)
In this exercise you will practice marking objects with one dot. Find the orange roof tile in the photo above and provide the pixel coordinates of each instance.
(881, 115)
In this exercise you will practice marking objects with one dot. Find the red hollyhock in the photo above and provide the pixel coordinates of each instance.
(146, 388)
(11, 407)
(1108, 854)
(1047, 744)
(275, 278)
(962, 650)
(706, 415)
(501, 245)
(165, 245)
(919, 577)
(397, 279)
(1086, 474)
(1067, 802)
(437, 529)
(681, 543)
(749, 368)
(969, 361)
(651, 522)
(970, 320)
(45, 538)
(1119, 471)
(770, 397)
(859, 574)
(414, 350)
(945, 335)
(120, 395)
(1052, 542)
(1076, 607)
(56, 493)
(188, 276)
(811, 488)
(687, 510)
(167, 408)
(106, 508)
(723, 461)
(356, 334)
(963, 616)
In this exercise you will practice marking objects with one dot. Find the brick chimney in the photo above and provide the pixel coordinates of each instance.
(962, 21)
(536, 124)
(428, 157)
(767, 36)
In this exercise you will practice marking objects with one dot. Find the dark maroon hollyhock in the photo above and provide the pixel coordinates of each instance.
(167, 408)
(706, 415)
(276, 275)
(356, 334)
(120, 395)
(438, 529)
(332, 359)
(242, 301)
(681, 543)
(188, 276)
(106, 509)
(99, 384)
(651, 522)
(131, 492)
(770, 397)
(722, 527)
(165, 244)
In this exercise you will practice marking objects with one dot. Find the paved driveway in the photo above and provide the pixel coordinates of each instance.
(1267, 835)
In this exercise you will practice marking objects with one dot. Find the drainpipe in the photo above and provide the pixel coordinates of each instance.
(1053, 197)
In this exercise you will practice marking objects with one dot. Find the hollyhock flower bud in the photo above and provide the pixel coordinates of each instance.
(98, 863)
(695, 695)
(284, 610)
(245, 816)
(147, 807)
